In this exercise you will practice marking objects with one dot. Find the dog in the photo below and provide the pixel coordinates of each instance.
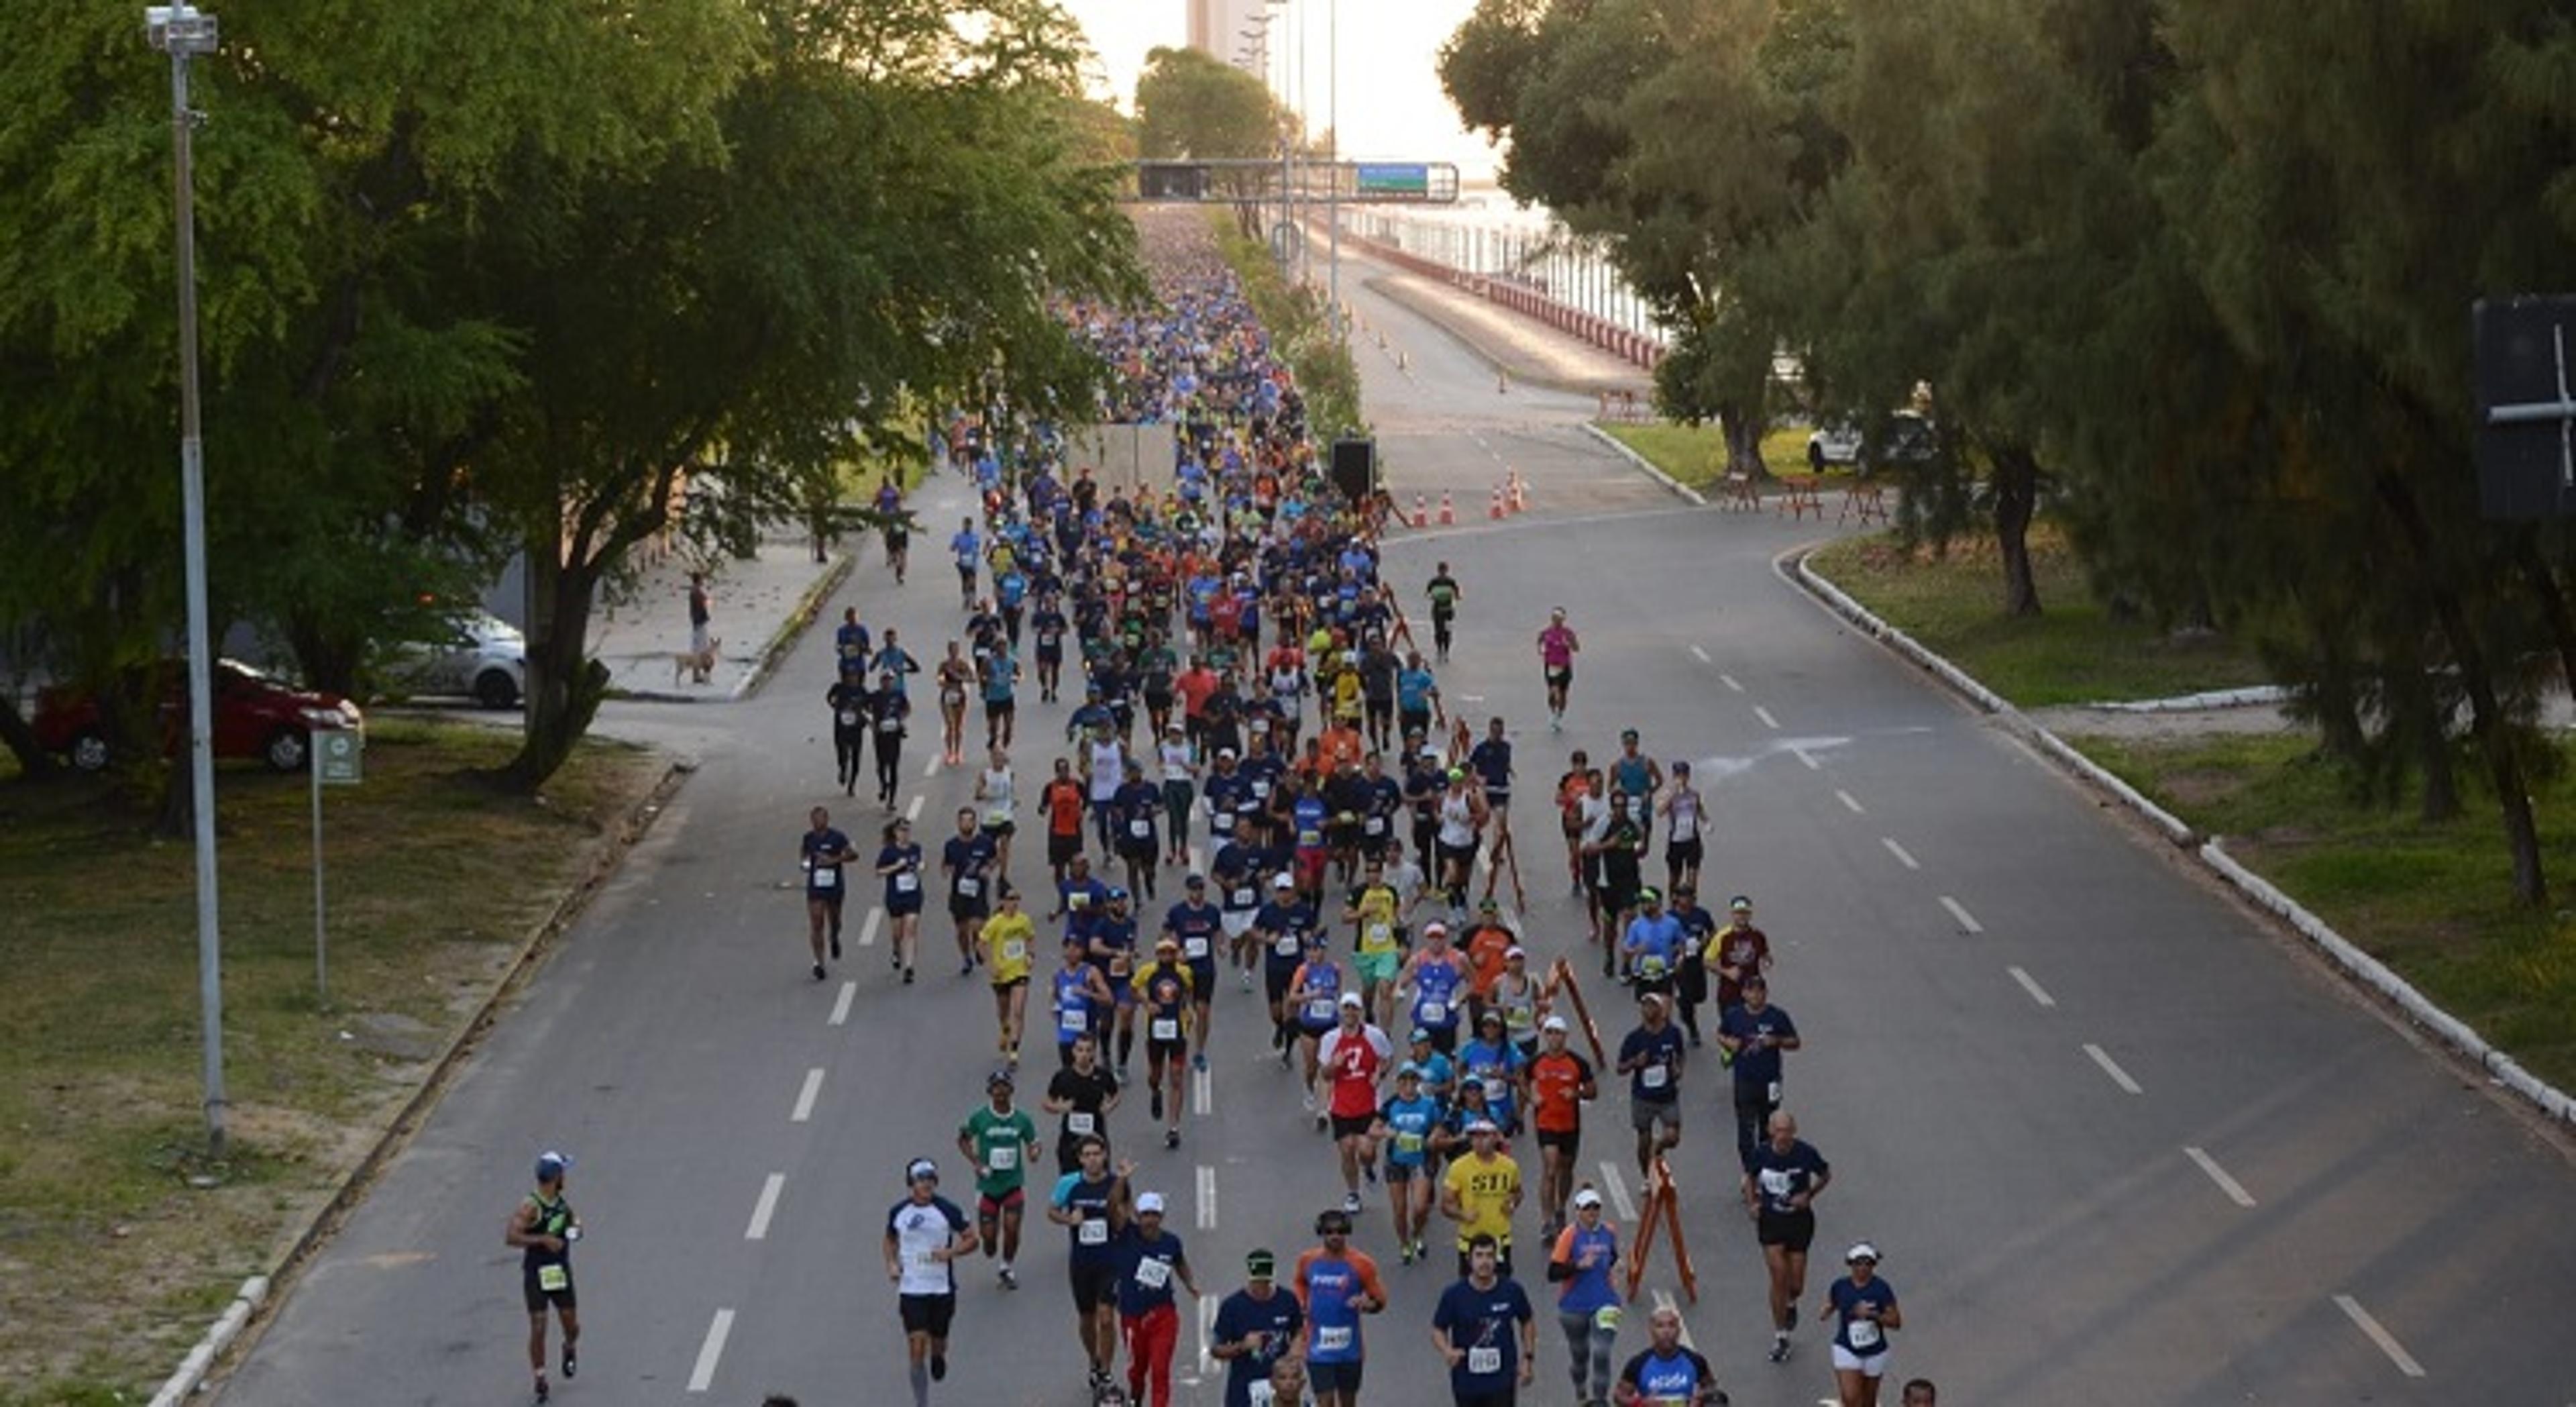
(699, 663)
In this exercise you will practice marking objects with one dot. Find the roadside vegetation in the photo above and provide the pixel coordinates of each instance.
(1696, 454)
(1300, 324)
(119, 1239)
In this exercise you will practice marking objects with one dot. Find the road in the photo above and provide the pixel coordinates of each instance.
(2119, 1142)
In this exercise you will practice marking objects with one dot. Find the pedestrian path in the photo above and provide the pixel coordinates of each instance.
(643, 636)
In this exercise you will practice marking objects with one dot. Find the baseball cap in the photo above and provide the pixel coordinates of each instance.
(1482, 1126)
(1261, 1265)
(1650, 895)
(999, 1079)
(1421, 1036)
(1196, 881)
(1740, 904)
(1408, 1071)
(1488, 906)
(1681, 769)
(1283, 882)
(1116, 893)
(1554, 1023)
(1457, 774)
(1587, 1198)
(1352, 999)
(1515, 951)
(1149, 1202)
(1627, 735)
(1225, 754)
(920, 1168)
(1435, 926)
(1861, 1250)
(552, 1165)
(1167, 941)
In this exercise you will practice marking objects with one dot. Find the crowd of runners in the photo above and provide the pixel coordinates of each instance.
(1261, 780)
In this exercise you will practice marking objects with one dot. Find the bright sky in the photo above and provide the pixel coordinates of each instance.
(1391, 106)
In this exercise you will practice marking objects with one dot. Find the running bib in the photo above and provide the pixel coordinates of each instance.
(1487, 1360)
(849, 717)
(1863, 1334)
(1003, 1157)
(924, 1259)
(1653, 1077)
(1774, 1092)
(1650, 965)
(1377, 825)
(1320, 1009)
(1015, 950)
(1263, 1394)
(1286, 947)
(1092, 1233)
(1194, 946)
(554, 1279)
(1381, 936)
(1245, 898)
(1408, 1143)
(906, 882)
(889, 725)
(1332, 1338)
(1141, 828)
(1079, 1124)
(1165, 1028)
(1153, 1274)
(1261, 788)
(968, 886)
(1775, 1183)
(827, 879)
(1519, 1018)
(1606, 1318)
(1076, 1018)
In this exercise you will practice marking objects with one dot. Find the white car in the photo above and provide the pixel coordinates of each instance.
(486, 659)
(1909, 437)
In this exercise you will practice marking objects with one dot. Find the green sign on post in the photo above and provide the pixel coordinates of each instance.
(339, 756)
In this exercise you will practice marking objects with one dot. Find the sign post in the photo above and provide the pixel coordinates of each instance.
(2526, 431)
(339, 760)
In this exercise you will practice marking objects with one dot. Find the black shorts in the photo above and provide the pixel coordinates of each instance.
(962, 909)
(1175, 1049)
(1094, 1284)
(1570, 1140)
(1462, 854)
(1560, 678)
(1691, 980)
(927, 1314)
(1143, 849)
(1414, 720)
(1157, 703)
(1275, 979)
(1000, 708)
(828, 898)
(1335, 1377)
(999, 829)
(1062, 848)
(1684, 854)
(904, 906)
(1351, 1127)
(1202, 979)
(538, 1298)
(1790, 1230)
(1406, 1172)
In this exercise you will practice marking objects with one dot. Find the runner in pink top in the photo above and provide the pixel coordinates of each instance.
(1556, 647)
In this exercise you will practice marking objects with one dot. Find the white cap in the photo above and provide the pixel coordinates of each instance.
(920, 1168)
(1435, 926)
(1148, 1202)
(1283, 882)
(1515, 951)
(1352, 999)
(1861, 1250)
(1553, 1023)
(1587, 1198)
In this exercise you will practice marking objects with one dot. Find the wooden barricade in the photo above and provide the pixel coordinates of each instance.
(1663, 1207)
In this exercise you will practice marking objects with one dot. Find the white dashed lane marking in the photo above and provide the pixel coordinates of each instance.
(2031, 985)
(913, 811)
(1617, 1187)
(806, 1096)
(1729, 681)
(1967, 922)
(2387, 1341)
(765, 1208)
(1898, 851)
(2112, 1068)
(1699, 654)
(2235, 1190)
(1767, 720)
(841, 1006)
(1207, 1197)
(710, 1352)
(868, 930)
(1850, 802)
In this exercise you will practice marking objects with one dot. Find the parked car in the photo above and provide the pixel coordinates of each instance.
(1909, 439)
(484, 658)
(254, 715)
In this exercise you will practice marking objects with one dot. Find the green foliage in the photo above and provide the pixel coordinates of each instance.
(1301, 328)
(1192, 104)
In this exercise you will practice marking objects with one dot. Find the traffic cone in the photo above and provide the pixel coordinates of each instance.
(1502, 381)
(1421, 511)
(1496, 510)
(1448, 510)
(1516, 493)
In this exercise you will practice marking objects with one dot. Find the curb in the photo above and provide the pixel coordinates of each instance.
(260, 1290)
(1620, 449)
(2195, 703)
(2357, 965)
(784, 638)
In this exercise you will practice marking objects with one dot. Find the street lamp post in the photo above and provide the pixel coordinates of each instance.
(183, 31)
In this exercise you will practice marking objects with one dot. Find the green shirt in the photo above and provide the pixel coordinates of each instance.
(1002, 1143)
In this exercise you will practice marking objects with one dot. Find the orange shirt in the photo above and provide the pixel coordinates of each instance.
(1485, 960)
(1556, 1090)
(1063, 802)
(1342, 743)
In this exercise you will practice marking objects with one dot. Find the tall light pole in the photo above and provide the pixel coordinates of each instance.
(1333, 156)
(183, 31)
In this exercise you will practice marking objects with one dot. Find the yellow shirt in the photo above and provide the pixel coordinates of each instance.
(1007, 941)
(1485, 1192)
(1376, 908)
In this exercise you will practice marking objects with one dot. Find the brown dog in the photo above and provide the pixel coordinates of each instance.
(697, 663)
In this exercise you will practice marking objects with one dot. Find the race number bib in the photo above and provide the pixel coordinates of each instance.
(968, 886)
(1408, 1143)
(1286, 946)
(1080, 1124)
(554, 1279)
(1153, 1274)
(1381, 935)
(1775, 1183)
(1332, 1338)
(1002, 1157)
(849, 717)
(1320, 1009)
(827, 878)
(1261, 788)
(1653, 1077)
(1650, 966)
(1194, 946)
(1245, 898)
(1773, 1092)
(889, 724)
(1015, 950)
(1486, 1360)
(1863, 1334)
(1377, 825)
(1141, 828)
(1165, 1028)
(1435, 1013)
(1092, 1233)
(906, 882)
(1076, 1018)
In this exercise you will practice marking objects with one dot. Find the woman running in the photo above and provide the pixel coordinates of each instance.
(899, 863)
(956, 673)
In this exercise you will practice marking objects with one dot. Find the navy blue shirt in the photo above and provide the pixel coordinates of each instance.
(1756, 1070)
(1485, 1324)
(1659, 1080)
(1278, 1317)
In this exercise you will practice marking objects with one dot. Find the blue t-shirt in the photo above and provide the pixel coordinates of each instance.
(1435, 994)
(1654, 945)
(1492, 759)
(1413, 690)
(1659, 1080)
(1238, 1318)
(1852, 1332)
(1410, 1123)
(1756, 1070)
(1294, 920)
(1092, 1242)
(1495, 1064)
(1147, 1270)
(1591, 1254)
(823, 875)
(1778, 1177)
(903, 887)
(1484, 1323)
(1675, 1379)
(1196, 926)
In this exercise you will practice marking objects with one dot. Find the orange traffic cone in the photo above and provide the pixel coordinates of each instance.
(1421, 511)
(1516, 493)
(1496, 511)
(1448, 510)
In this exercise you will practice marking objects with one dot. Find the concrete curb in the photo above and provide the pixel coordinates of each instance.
(2194, 703)
(258, 1292)
(789, 630)
(1668, 481)
(2356, 964)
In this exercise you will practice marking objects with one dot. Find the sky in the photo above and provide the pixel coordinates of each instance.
(1390, 107)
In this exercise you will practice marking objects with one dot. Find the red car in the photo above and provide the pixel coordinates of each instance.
(254, 716)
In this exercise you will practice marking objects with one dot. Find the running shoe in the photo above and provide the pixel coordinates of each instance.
(1247, 979)
(1157, 1103)
(571, 1362)
(1199, 1061)
(1010, 1281)
(907, 977)
(542, 1393)
(1351, 1203)
(1404, 1253)
(966, 968)
(1171, 1138)
(1308, 1095)
(836, 947)
(938, 1366)
(1780, 1348)
(818, 972)
(1370, 1168)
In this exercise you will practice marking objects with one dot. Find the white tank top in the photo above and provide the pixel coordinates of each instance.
(1176, 762)
(1457, 822)
(1108, 771)
(1685, 815)
(1001, 798)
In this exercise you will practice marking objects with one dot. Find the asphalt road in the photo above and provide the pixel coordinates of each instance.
(2119, 1143)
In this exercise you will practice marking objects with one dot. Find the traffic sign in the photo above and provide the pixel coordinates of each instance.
(1285, 240)
(2526, 446)
(339, 756)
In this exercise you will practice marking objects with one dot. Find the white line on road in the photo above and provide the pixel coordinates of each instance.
(1807, 757)
(766, 1207)
(2112, 1068)
(703, 1376)
(1898, 851)
(868, 930)
(1207, 1198)
(1617, 1187)
(1664, 1300)
(913, 811)
(2387, 1341)
(1767, 720)
(1207, 1322)
(841, 1006)
(1850, 802)
(1701, 655)
(1729, 681)
(805, 1096)
(1967, 921)
(930, 765)
(2031, 985)
(2235, 1190)
(1202, 1092)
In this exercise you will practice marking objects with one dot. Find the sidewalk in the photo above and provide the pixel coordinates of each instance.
(759, 602)
(1522, 348)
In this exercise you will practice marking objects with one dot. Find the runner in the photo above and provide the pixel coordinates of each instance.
(1480, 1191)
(1618, 846)
(1738, 951)
(1561, 1083)
(1133, 809)
(1574, 789)
(1256, 1327)
(1091, 1203)
(956, 674)
(1047, 622)
(925, 1234)
(1404, 1127)
(1081, 1094)
(1061, 802)
(824, 851)
(1417, 697)
(1755, 1033)
(888, 708)
(1315, 995)
(1780, 1191)
(1587, 1304)
(1166, 990)
(1557, 646)
(1684, 815)
(1485, 1331)
(1001, 673)
(997, 792)
(968, 549)
(1690, 981)
(1638, 778)
(1667, 1374)
(1238, 868)
(1357, 1056)
(1650, 951)
(1150, 1259)
(1462, 819)
(1194, 924)
(1112, 946)
(967, 860)
(997, 1140)
(543, 1228)
(1519, 998)
(1377, 957)
(1445, 596)
(896, 523)
(1491, 760)
(1652, 1056)
(899, 865)
(1282, 928)
(1487, 943)
(1010, 941)
(1081, 1001)
(1335, 1286)
(1180, 778)
(848, 700)
(1865, 1313)
(1438, 978)
(1495, 1061)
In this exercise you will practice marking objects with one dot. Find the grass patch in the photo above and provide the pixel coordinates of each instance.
(2434, 902)
(112, 1258)
(1696, 454)
(2074, 652)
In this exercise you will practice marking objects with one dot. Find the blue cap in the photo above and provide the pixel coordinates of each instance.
(551, 1165)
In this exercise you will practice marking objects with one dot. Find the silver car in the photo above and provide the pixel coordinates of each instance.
(485, 659)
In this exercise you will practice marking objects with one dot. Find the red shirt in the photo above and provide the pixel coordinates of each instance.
(1354, 1057)
(1556, 1091)
(1063, 802)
